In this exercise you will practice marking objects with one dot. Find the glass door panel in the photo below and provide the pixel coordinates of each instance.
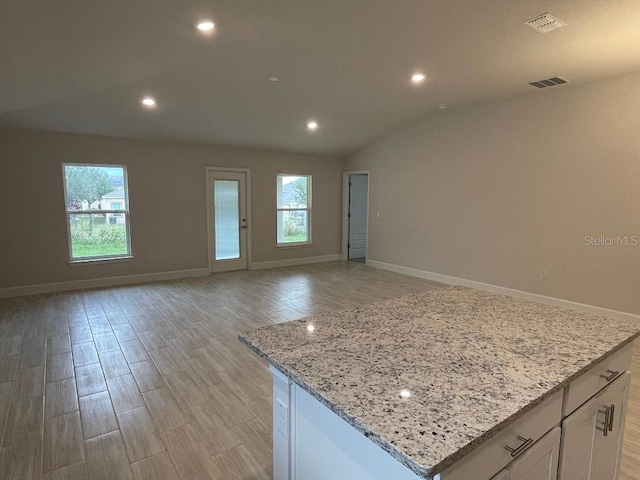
(228, 223)
(227, 219)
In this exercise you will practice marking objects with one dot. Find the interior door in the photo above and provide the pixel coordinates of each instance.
(358, 197)
(228, 222)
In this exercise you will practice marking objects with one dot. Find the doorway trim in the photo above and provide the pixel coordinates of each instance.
(345, 211)
(210, 239)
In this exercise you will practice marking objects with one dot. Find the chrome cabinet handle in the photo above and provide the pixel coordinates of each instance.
(612, 374)
(607, 425)
(519, 450)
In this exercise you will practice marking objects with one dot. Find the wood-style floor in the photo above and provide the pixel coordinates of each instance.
(150, 381)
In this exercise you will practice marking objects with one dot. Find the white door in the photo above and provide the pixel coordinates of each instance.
(592, 435)
(227, 197)
(358, 195)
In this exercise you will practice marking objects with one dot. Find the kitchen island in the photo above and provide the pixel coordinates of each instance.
(434, 385)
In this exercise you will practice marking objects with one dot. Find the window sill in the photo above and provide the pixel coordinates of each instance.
(294, 245)
(95, 261)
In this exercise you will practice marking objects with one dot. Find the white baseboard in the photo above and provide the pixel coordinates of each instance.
(100, 282)
(147, 277)
(511, 292)
(289, 262)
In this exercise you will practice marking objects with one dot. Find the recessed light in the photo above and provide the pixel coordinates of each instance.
(404, 393)
(205, 26)
(312, 125)
(274, 79)
(442, 106)
(149, 102)
(310, 328)
(417, 78)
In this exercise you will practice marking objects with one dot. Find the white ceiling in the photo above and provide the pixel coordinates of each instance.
(83, 65)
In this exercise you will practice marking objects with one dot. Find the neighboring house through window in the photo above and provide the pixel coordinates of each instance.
(117, 194)
(293, 209)
(97, 206)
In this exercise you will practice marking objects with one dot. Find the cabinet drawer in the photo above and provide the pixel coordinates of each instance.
(491, 456)
(589, 383)
(540, 461)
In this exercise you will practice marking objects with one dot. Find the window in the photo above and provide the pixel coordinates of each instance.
(294, 209)
(116, 206)
(97, 205)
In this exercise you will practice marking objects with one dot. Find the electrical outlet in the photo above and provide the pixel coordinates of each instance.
(543, 273)
(282, 419)
(260, 213)
(150, 256)
(378, 214)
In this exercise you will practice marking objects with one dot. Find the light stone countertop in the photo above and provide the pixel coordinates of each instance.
(473, 361)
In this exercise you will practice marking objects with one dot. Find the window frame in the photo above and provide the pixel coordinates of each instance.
(307, 209)
(124, 211)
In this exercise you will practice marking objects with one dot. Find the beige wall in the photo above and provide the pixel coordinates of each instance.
(167, 203)
(496, 192)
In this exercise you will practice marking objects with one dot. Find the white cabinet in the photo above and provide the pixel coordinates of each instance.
(540, 462)
(588, 384)
(311, 442)
(515, 441)
(502, 475)
(592, 435)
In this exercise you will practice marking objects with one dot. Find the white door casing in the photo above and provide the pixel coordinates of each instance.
(345, 212)
(229, 239)
(358, 197)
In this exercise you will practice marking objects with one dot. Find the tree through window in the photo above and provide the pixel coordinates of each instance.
(293, 209)
(97, 205)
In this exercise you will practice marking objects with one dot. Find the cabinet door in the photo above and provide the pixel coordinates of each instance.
(540, 462)
(587, 453)
(501, 475)
(607, 449)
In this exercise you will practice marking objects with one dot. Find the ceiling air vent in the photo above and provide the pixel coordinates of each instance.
(545, 23)
(549, 82)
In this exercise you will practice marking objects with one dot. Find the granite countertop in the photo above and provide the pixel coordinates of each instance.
(473, 362)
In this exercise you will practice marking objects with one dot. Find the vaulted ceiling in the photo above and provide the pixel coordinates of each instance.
(83, 66)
